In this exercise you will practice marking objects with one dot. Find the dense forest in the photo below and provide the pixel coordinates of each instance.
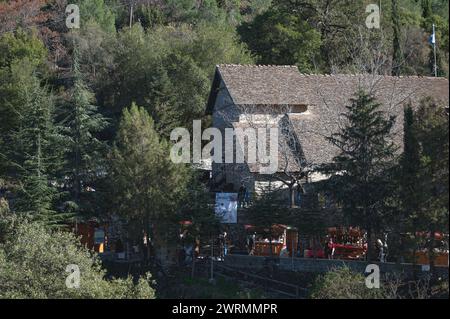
(63, 91)
(85, 114)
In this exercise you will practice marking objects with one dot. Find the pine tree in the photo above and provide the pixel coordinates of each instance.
(85, 150)
(36, 156)
(145, 184)
(360, 177)
(21, 55)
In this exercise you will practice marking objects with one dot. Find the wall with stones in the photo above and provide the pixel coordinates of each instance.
(322, 265)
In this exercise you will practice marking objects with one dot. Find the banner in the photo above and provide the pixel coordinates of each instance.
(226, 207)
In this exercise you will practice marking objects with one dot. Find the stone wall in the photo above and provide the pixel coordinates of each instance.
(323, 265)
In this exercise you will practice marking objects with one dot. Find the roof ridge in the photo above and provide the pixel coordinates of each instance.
(225, 65)
(376, 75)
(256, 65)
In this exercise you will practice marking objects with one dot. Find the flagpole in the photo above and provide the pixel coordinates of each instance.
(434, 49)
(380, 14)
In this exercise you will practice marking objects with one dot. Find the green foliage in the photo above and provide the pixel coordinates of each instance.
(94, 50)
(433, 137)
(150, 16)
(198, 208)
(29, 139)
(342, 283)
(33, 264)
(145, 185)
(268, 209)
(397, 59)
(343, 36)
(180, 111)
(145, 182)
(85, 152)
(96, 11)
(190, 11)
(410, 194)
(35, 154)
(410, 162)
(165, 63)
(361, 172)
(4, 207)
(21, 55)
(281, 38)
(423, 177)
(21, 45)
(167, 71)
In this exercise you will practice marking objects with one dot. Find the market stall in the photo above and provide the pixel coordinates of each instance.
(279, 240)
(346, 243)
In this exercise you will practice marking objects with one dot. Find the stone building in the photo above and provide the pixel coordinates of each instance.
(305, 109)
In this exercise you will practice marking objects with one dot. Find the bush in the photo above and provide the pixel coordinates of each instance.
(33, 263)
(342, 283)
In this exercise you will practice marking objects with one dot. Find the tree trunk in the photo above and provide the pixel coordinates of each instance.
(292, 195)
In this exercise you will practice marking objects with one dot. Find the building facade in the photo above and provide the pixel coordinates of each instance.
(305, 109)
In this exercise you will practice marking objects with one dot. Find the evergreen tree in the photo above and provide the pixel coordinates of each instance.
(85, 151)
(37, 155)
(197, 208)
(410, 163)
(98, 11)
(427, 10)
(397, 58)
(405, 219)
(422, 180)
(433, 136)
(21, 55)
(360, 173)
(145, 184)
(280, 37)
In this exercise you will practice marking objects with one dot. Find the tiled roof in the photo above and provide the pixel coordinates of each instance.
(328, 96)
(262, 84)
(325, 96)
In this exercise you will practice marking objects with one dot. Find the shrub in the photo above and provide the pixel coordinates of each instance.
(343, 283)
(33, 263)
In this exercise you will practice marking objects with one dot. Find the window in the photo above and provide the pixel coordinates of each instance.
(298, 108)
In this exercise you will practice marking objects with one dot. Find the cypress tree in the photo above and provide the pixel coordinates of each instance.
(410, 164)
(397, 59)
